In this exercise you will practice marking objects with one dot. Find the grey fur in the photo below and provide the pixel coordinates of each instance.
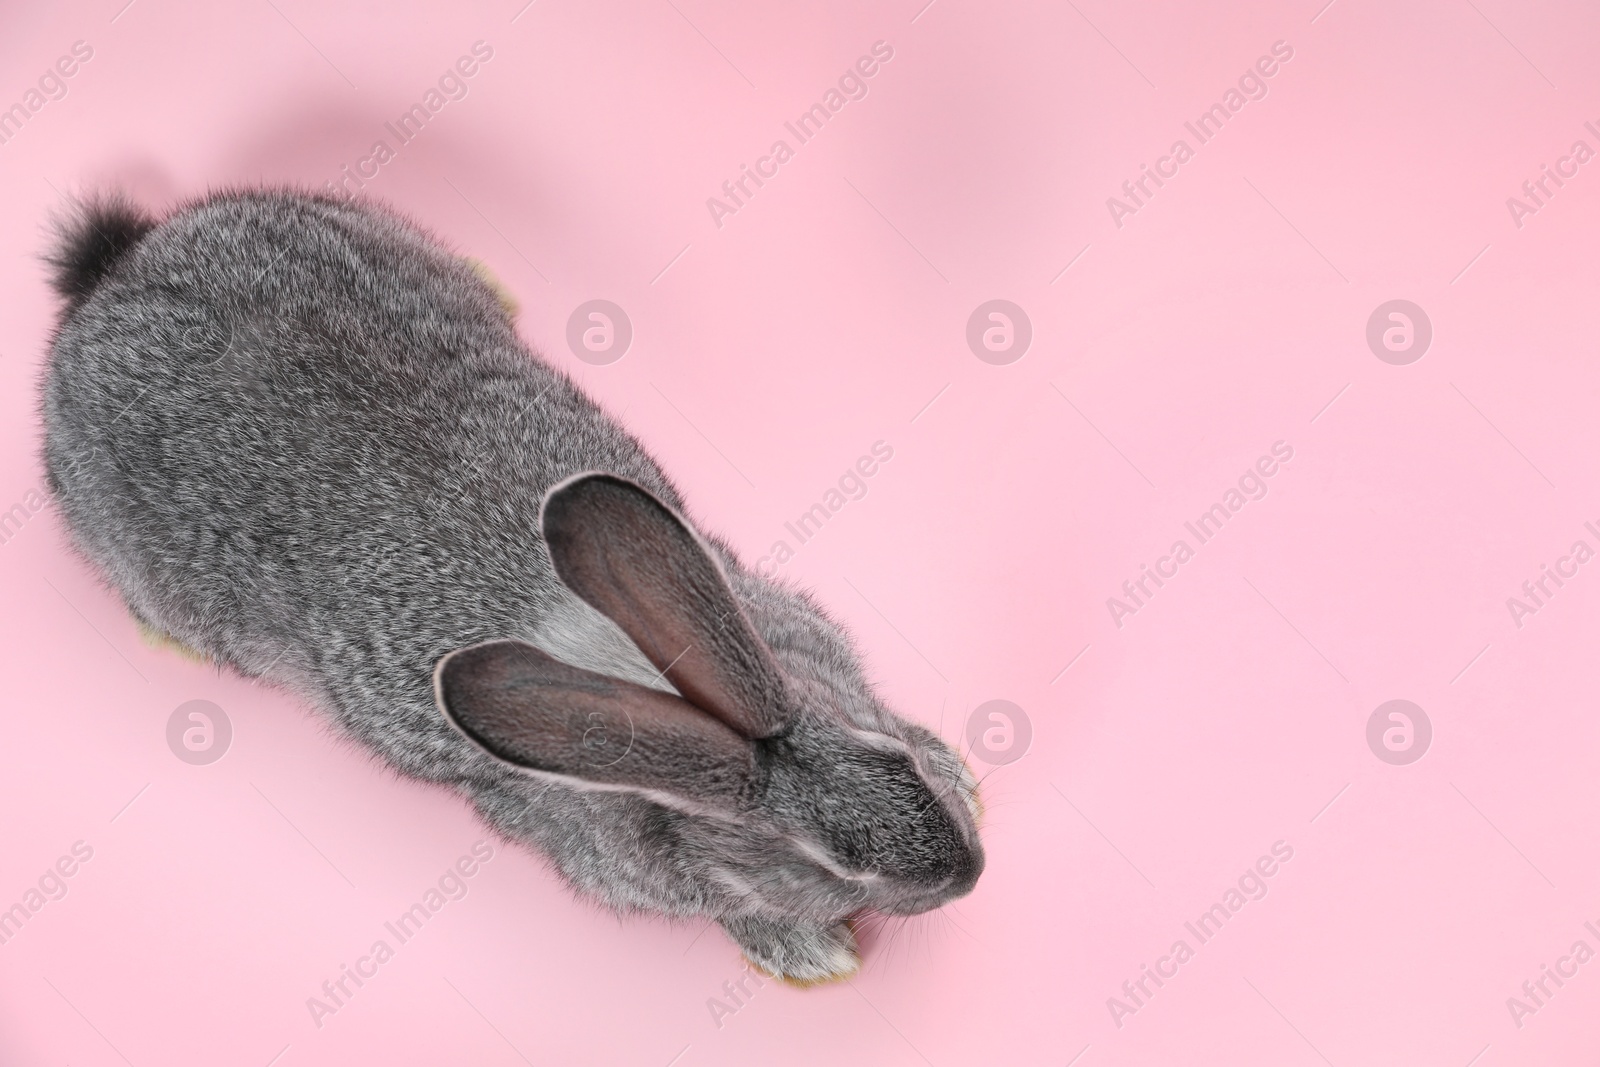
(302, 438)
(578, 634)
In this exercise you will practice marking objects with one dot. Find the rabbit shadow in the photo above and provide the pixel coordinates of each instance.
(351, 152)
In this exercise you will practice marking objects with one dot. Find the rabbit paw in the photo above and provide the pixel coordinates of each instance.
(800, 954)
(157, 639)
(508, 303)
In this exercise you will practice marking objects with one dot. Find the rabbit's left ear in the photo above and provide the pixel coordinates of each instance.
(529, 709)
(640, 565)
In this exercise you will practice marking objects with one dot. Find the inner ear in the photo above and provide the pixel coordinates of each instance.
(630, 557)
(529, 709)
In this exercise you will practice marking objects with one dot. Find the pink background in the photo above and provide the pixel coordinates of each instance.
(825, 315)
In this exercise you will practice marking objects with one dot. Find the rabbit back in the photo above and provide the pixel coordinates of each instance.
(301, 437)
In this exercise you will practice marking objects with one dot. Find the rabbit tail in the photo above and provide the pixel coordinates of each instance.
(90, 238)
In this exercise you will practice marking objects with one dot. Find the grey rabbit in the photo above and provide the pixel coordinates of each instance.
(303, 439)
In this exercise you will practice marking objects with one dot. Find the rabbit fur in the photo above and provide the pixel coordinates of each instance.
(301, 437)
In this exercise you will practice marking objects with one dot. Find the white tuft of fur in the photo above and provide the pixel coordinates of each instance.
(577, 634)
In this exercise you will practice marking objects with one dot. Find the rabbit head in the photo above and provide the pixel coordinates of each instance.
(797, 793)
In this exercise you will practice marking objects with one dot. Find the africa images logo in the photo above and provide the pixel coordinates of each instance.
(199, 732)
(851, 85)
(1251, 485)
(1252, 85)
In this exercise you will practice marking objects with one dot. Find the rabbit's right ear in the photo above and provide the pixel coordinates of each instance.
(527, 708)
(636, 562)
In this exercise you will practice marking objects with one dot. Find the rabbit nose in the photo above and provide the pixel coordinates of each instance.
(967, 871)
(966, 866)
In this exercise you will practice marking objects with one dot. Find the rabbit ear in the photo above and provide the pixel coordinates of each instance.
(532, 710)
(631, 558)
